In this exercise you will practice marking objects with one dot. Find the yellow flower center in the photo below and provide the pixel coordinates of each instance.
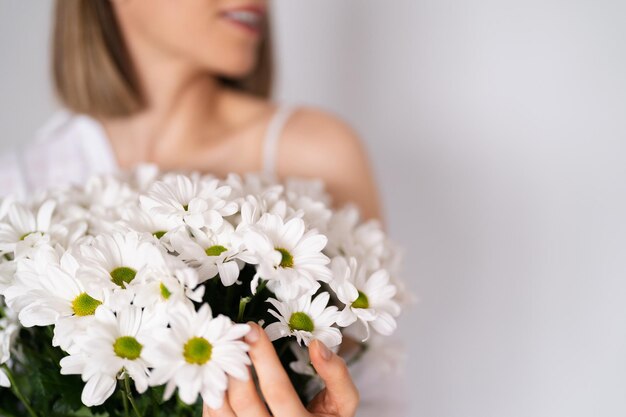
(85, 305)
(165, 292)
(122, 276)
(301, 321)
(286, 260)
(361, 301)
(127, 347)
(197, 351)
(215, 250)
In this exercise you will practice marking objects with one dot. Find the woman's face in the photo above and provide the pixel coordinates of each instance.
(221, 36)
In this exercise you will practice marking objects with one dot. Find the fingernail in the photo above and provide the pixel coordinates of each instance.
(324, 351)
(253, 334)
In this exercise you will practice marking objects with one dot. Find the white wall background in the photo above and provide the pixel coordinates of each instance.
(498, 133)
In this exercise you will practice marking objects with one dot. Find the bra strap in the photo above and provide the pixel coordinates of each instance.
(272, 136)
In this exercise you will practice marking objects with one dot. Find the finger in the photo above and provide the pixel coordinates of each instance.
(244, 398)
(224, 411)
(333, 370)
(275, 384)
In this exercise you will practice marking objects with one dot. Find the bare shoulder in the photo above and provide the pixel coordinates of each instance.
(319, 144)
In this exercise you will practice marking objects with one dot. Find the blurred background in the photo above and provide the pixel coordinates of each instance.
(498, 133)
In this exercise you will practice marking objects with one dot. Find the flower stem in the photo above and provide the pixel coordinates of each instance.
(16, 391)
(243, 302)
(125, 402)
(130, 395)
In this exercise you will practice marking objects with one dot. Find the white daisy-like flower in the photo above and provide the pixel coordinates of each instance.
(139, 220)
(305, 319)
(368, 297)
(98, 202)
(288, 257)
(210, 253)
(302, 365)
(348, 236)
(25, 228)
(7, 274)
(8, 330)
(111, 348)
(191, 201)
(45, 291)
(197, 354)
(110, 263)
(166, 289)
(259, 187)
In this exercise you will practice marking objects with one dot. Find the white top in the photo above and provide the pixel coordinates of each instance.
(71, 147)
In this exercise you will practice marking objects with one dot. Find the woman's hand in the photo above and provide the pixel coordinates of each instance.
(340, 398)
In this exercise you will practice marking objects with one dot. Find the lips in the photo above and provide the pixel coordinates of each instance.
(250, 18)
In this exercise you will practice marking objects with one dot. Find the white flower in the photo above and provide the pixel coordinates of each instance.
(7, 274)
(288, 257)
(259, 187)
(347, 236)
(196, 355)
(168, 288)
(139, 220)
(368, 298)
(8, 331)
(211, 253)
(25, 228)
(302, 365)
(46, 291)
(308, 199)
(111, 348)
(110, 263)
(184, 200)
(306, 320)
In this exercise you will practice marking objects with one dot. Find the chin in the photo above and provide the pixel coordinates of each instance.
(237, 69)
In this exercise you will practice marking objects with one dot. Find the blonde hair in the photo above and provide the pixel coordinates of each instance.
(93, 72)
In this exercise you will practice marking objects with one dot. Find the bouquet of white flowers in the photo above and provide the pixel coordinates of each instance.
(120, 293)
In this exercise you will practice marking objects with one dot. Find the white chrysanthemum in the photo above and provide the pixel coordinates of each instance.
(166, 289)
(137, 219)
(111, 348)
(211, 253)
(302, 365)
(98, 202)
(7, 274)
(368, 297)
(191, 201)
(46, 291)
(306, 320)
(25, 228)
(259, 187)
(347, 236)
(8, 331)
(110, 263)
(289, 257)
(196, 355)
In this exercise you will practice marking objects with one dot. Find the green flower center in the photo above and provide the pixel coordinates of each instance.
(286, 260)
(122, 276)
(85, 305)
(361, 301)
(165, 292)
(186, 207)
(127, 347)
(301, 321)
(215, 250)
(197, 351)
(25, 235)
(159, 234)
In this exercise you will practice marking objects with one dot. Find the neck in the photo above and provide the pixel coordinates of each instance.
(181, 101)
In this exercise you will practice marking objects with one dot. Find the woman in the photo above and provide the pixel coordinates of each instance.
(186, 85)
